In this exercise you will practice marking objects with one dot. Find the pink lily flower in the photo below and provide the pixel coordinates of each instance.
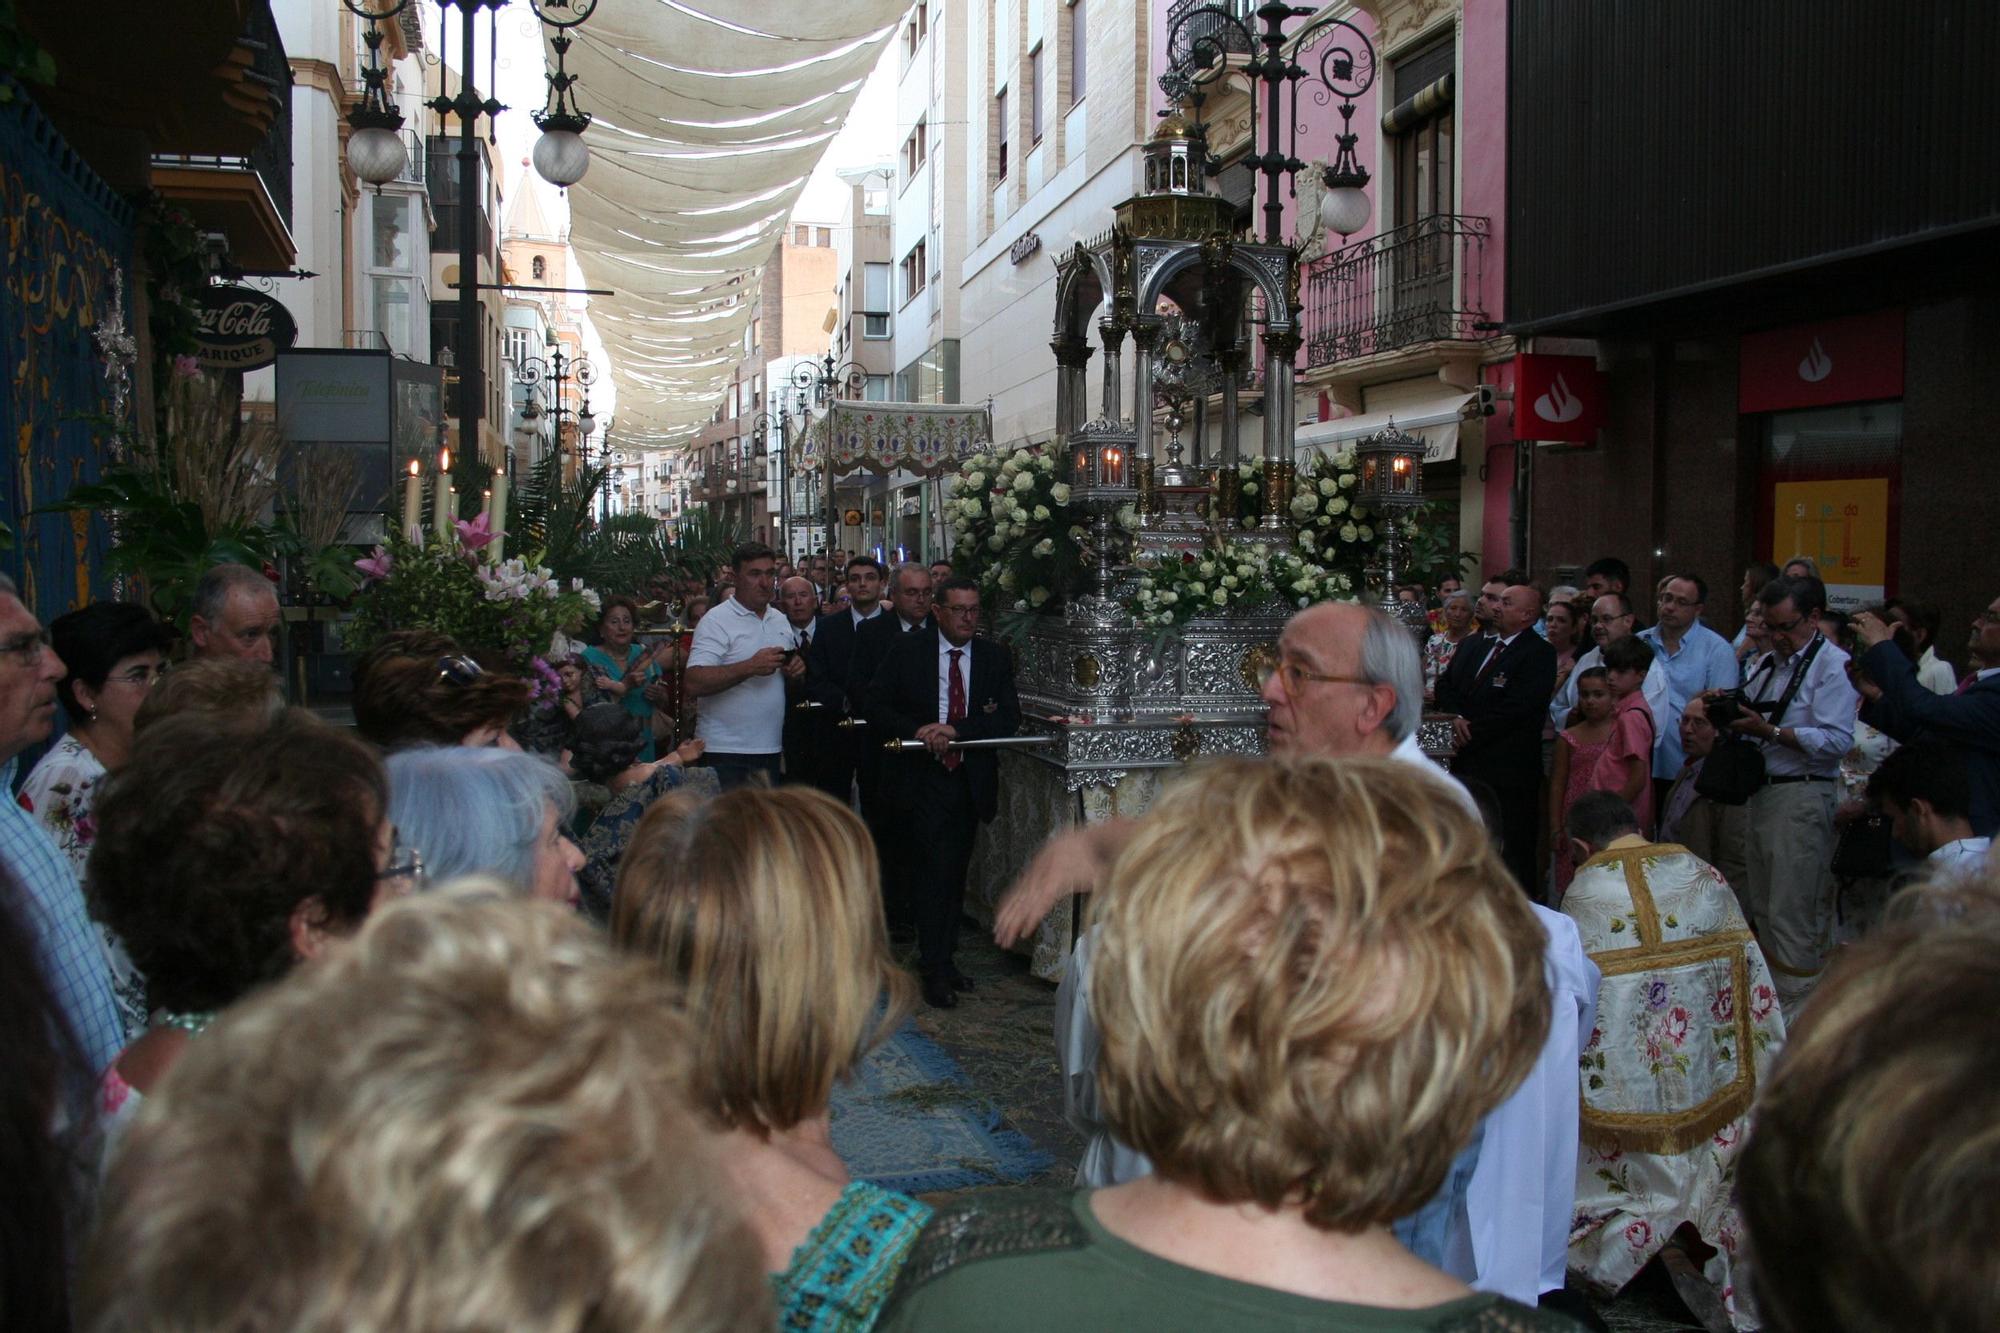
(377, 565)
(478, 533)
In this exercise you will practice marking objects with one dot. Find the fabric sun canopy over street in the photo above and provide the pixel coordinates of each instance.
(706, 125)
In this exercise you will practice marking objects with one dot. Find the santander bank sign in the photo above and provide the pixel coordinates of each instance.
(1559, 398)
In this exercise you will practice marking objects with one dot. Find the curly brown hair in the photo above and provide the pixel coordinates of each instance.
(218, 829)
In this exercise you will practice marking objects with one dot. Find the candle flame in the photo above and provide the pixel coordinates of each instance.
(444, 460)
(414, 469)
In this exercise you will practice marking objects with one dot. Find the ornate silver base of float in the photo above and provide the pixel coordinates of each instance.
(1123, 712)
(1124, 707)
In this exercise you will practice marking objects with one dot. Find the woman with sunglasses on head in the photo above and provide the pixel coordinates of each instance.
(115, 652)
(228, 850)
(420, 688)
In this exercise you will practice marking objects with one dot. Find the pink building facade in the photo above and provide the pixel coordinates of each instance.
(1402, 318)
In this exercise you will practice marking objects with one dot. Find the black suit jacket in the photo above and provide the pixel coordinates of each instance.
(828, 660)
(1969, 722)
(903, 697)
(1506, 705)
(872, 643)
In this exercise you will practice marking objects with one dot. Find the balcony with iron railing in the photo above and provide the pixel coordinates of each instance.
(1418, 284)
(246, 197)
(1208, 30)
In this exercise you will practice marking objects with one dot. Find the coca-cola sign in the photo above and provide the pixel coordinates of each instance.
(241, 329)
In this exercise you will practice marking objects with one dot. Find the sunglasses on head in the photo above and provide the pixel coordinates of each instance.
(459, 669)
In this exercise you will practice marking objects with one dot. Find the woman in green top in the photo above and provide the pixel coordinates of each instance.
(626, 671)
(1313, 979)
(763, 906)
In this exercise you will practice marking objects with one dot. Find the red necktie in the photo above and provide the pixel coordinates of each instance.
(954, 708)
(1487, 665)
(1971, 679)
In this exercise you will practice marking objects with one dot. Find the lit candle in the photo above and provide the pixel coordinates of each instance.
(499, 510)
(413, 503)
(442, 512)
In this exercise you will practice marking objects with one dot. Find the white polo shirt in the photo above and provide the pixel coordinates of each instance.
(749, 716)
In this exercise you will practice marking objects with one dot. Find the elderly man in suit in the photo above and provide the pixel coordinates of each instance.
(1896, 703)
(1499, 684)
(938, 686)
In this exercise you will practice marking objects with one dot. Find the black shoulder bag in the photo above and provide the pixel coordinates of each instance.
(1734, 769)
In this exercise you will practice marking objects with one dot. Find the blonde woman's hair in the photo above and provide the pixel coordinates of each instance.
(1314, 978)
(764, 905)
(1866, 1184)
(470, 1116)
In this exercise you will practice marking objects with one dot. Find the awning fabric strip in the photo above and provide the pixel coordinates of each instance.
(1435, 422)
(926, 438)
(707, 123)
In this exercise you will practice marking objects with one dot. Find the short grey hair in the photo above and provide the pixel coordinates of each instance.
(896, 574)
(1455, 595)
(473, 811)
(7, 588)
(221, 580)
(1389, 657)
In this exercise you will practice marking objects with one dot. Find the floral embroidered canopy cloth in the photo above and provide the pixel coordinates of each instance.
(926, 438)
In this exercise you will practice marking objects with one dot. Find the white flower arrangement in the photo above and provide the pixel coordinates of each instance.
(1174, 588)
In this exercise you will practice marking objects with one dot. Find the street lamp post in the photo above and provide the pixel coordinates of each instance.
(1345, 69)
(815, 384)
(765, 426)
(375, 152)
(557, 372)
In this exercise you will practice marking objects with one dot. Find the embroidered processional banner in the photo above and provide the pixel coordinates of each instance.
(926, 438)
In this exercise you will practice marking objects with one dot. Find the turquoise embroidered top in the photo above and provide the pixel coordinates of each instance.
(839, 1278)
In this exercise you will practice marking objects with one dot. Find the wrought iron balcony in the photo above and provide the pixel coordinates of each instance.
(1217, 33)
(1420, 283)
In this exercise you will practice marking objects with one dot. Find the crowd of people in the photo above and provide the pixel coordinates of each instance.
(463, 1017)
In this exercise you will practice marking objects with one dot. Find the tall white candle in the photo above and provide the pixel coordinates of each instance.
(499, 520)
(441, 519)
(413, 503)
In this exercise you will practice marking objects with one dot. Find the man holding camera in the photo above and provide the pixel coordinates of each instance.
(744, 651)
(1798, 706)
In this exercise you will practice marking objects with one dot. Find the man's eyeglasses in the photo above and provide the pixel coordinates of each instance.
(1294, 676)
(459, 669)
(27, 647)
(946, 609)
(1785, 628)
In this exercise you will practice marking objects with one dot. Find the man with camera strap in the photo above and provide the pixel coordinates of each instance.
(1799, 708)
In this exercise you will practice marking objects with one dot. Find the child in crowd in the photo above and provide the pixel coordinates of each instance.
(1574, 770)
(1626, 766)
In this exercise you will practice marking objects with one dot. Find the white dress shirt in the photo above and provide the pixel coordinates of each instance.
(1513, 1238)
(1961, 858)
(1935, 675)
(945, 650)
(859, 619)
(749, 716)
(1820, 717)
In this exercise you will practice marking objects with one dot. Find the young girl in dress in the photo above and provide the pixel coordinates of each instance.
(1574, 770)
(1626, 766)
